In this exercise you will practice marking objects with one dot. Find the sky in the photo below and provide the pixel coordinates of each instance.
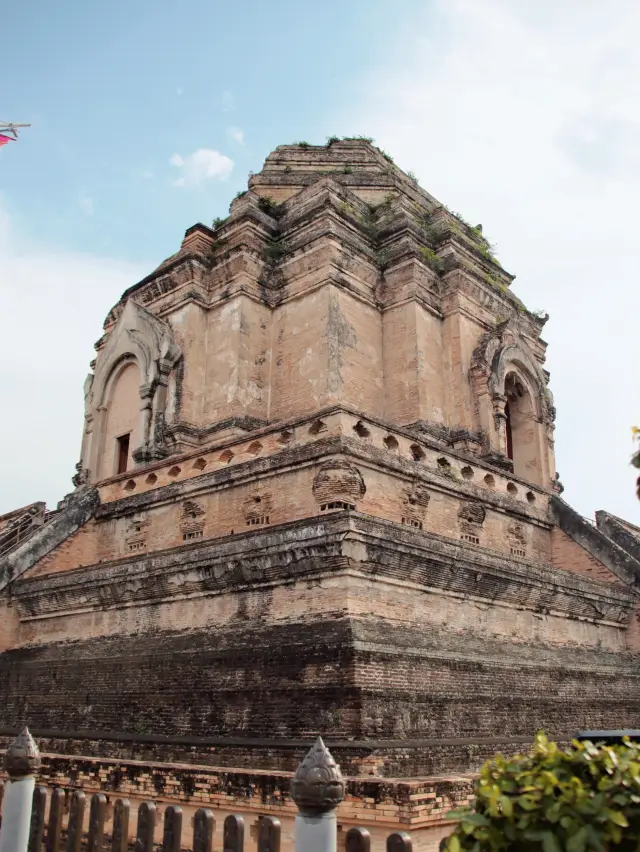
(148, 117)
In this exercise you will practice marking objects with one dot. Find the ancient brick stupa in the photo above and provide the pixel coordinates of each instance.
(317, 495)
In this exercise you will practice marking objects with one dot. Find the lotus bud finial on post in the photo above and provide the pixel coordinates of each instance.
(22, 756)
(318, 786)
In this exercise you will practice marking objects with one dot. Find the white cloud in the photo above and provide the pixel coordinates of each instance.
(203, 164)
(53, 304)
(86, 203)
(236, 134)
(142, 174)
(525, 117)
(228, 101)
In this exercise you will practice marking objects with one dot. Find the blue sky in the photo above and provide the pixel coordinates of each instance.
(524, 117)
(114, 90)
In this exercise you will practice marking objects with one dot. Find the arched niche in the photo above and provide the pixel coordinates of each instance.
(514, 406)
(522, 445)
(121, 414)
(140, 348)
(523, 414)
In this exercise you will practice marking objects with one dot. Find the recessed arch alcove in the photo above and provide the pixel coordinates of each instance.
(514, 407)
(521, 428)
(125, 398)
(121, 418)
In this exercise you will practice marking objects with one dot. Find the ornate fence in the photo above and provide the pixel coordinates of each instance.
(52, 838)
(29, 826)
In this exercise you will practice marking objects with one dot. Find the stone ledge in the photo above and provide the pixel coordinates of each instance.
(80, 507)
(595, 542)
(321, 546)
(415, 802)
(620, 532)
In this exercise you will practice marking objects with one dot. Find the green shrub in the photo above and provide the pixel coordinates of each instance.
(274, 250)
(433, 260)
(369, 139)
(575, 800)
(269, 206)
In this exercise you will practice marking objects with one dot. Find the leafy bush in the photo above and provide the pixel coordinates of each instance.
(433, 260)
(274, 250)
(269, 206)
(369, 139)
(575, 800)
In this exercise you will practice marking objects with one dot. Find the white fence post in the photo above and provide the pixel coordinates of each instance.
(317, 789)
(21, 761)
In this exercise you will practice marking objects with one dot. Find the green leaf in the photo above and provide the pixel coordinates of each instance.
(550, 842)
(617, 818)
(578, 841)
(527, 803)
(595, 839)
(475, 819)
(453, 844)
(507, 806)
(553, 811)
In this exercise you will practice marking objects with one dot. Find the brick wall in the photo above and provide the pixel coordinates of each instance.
(225, 506)
(358, 680)
(568, 555)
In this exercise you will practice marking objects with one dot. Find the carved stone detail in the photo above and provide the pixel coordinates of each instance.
(415, 502)
(135, 536)
(338, 480)
(192, 517)
(258, 507)
(81, 476)
(517, 534)
(318, 785)
(472, 513)
(144, 339)
(22, 757)
(496, 352)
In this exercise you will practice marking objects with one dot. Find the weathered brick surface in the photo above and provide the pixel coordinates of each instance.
(351, 679)
(568, 555)
(263, 469)
(322, 532)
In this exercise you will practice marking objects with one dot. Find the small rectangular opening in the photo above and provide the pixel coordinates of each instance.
(122, 444)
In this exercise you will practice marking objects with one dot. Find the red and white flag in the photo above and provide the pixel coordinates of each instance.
(4, 139)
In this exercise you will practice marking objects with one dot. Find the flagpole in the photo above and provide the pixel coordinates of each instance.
(9, 127)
